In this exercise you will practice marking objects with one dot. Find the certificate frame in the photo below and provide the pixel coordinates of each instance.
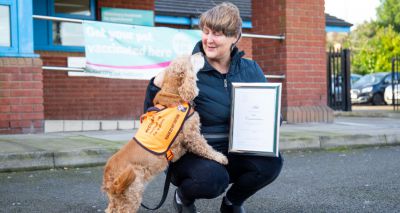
(255, 119)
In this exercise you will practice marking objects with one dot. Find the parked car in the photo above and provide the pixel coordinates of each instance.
(354, 77)
(337, 85)
(370, 88)
(389, 94)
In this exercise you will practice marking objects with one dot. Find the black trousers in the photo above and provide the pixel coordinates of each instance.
(197, 177)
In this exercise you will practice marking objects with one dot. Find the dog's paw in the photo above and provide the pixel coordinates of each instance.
(222, 159)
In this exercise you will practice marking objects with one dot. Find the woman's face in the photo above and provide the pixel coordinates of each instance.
(216, 45)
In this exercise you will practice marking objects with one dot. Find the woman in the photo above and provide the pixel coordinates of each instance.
(197, 177)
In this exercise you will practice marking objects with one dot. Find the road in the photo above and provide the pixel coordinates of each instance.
(348, 180)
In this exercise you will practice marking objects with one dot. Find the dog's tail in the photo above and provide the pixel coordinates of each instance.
(122, 182)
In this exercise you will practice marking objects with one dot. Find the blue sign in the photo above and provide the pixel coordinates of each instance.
(127, 16)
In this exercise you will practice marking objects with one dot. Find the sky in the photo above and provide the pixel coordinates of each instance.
(352, 11)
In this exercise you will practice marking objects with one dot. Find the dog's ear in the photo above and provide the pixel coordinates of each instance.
(188, 90)
(197, 61)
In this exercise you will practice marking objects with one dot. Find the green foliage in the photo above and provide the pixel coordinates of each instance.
(375, 43)
(374, 54)
(388, 13)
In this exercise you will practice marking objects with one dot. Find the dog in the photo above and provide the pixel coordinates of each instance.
(128, 171)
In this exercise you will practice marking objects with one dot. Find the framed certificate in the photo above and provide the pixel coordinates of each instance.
(255, 118)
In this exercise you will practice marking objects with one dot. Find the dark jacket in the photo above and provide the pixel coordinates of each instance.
(214, 100)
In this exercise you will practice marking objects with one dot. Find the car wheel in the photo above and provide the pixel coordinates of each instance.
(377, 99)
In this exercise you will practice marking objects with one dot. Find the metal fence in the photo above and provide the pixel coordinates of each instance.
(338, 78)
(392, 92)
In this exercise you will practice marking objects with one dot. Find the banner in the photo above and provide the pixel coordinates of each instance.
(133, 52)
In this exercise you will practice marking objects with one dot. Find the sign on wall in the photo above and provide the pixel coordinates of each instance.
(133, 52)
(128, 16)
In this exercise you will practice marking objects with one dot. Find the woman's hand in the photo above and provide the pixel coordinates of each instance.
(159, 79)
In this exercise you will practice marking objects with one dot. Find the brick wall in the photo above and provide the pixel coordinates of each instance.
(268, 19)
(21, 95)
(89, 98)
(300, 57)
(305, 49)
(246, 44)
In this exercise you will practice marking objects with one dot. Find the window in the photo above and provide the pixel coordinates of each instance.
(16, 33)
(388, 79)
(8, 28)
(72, 7)
(67, 33)
(60, 35)
(5, 26)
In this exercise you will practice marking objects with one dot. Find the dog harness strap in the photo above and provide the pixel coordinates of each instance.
(158, 130)
(169, 155)
(151, 111)
(165, 190)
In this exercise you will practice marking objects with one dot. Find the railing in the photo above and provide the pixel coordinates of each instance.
(395, 84)
(77, 69)
(275, 76)
(74, 69)
(52, 18)
(338, 79)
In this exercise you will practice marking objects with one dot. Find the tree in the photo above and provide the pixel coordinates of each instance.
(359, 43)
(375, 43)
(374, 54)
(360, 36)
(388, 13)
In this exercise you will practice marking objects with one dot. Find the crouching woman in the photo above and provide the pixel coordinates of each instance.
(200, 178)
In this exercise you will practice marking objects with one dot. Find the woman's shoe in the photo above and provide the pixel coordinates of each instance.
(182, 208)
(225, 208)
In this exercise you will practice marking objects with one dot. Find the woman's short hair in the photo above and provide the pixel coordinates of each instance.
(224, 17)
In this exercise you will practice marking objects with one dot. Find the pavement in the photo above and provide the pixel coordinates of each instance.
(88, 148)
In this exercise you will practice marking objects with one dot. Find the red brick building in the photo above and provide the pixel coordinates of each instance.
(31, 96)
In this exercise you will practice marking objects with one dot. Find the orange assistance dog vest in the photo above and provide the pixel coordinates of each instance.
(160, 126)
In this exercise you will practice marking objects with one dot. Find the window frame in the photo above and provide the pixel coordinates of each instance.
(50, 46)
(92, 4)
(14, 44)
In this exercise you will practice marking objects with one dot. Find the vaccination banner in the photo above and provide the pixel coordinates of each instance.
(133, 52)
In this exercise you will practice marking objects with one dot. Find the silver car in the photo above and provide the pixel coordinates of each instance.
(389, 94)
